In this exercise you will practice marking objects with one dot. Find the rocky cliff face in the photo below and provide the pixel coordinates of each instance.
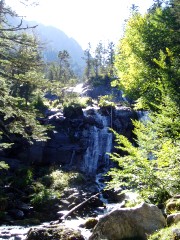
(81, 139)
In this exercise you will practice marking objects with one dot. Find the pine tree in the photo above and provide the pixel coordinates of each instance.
(20, 79)
(151, 166)
(148, 67)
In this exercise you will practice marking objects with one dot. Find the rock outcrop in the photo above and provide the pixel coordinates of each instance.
(129, 223)
(81, 139)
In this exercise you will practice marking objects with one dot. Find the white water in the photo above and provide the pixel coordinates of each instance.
(99, 145)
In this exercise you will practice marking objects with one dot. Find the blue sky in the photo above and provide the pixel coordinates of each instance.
(84, 20)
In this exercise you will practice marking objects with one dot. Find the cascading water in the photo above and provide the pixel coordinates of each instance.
(99, 145)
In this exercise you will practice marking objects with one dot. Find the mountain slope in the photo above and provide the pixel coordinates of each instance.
(56, 40)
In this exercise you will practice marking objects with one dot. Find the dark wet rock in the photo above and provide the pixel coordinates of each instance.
(114, 196)
(122, 121)
(90, 223)
(54, 233)
(74, 131)
(90, 120)
(23, 206)
(73, 112)
(16, 213)
(95, 203)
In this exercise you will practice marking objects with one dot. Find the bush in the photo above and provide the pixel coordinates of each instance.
(38, 103)
(23, 178)
(43, 198)
(73, 111)
(62, 180)
(50, 187)
(106, 101)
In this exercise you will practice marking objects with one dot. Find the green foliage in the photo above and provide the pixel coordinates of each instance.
(73, 105)
(73, 111)
(85, 101)
(3, 165)
(62, 180)
(75, 101)
(165, 233)
(100, 80)
(48, 188)
(146, 166)
(147, 57)
(43, 198)
(21, 81)
(106, 101)
(147, 62)
(61, 70)
(23, 178)
(100, 64)
(39, 104)
(19, 119)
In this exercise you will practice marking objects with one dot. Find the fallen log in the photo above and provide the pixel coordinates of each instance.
(77, 207)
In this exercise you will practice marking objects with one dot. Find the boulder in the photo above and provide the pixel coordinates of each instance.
(176, 234)
(16, 213)
(90, 223)
(173, 218)
(53, 233)
(173, 204)
(129, 223)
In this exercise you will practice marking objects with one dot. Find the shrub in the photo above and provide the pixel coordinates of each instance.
(38, 103)
(106, 101)
(23, 178)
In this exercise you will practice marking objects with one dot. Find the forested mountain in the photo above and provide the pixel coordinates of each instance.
(56, 40)
(53, 41)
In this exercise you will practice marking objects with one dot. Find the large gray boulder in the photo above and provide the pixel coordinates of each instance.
(129, 223)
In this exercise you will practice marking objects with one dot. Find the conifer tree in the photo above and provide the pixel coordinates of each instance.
(148, 67)
(20, 79)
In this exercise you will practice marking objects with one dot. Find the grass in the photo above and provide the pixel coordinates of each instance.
(165, 233)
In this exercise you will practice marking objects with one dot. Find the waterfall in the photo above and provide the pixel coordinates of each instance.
(99, 145)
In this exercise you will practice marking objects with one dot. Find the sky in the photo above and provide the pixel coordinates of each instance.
(84, 20)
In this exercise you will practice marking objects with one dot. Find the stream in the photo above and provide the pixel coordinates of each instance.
(100, 143)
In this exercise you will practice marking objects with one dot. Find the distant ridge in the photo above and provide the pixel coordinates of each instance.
(56, 40)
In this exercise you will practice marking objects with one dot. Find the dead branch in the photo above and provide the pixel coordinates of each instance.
(77, 207)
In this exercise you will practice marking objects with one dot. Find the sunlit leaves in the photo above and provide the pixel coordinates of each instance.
(147, 57)
(151, 166)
